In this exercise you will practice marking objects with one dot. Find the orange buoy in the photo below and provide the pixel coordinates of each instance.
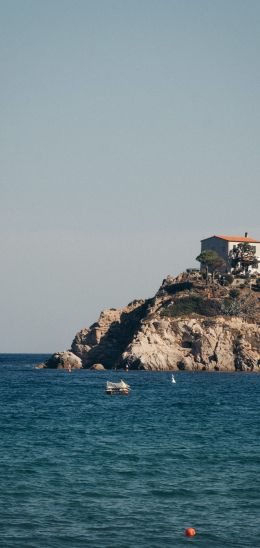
(190, 532)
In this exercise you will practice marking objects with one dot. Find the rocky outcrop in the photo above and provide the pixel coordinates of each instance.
(63, 360)
(105, 341)
(194, 344)
(98, 367)
(188, 325)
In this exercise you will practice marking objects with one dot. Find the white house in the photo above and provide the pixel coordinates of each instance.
(224, 244)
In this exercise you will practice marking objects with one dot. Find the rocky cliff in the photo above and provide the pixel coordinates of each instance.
(195, 344)
(188, 325)
(106, 340)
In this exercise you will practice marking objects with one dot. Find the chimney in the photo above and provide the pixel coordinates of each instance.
(246, 233)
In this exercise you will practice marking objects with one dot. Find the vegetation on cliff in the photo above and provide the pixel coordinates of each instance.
(214, 301)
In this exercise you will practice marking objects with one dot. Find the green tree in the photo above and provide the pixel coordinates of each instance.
(242, 257)
(210, 260)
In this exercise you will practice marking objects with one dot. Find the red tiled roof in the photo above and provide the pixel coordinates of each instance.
(238, 239)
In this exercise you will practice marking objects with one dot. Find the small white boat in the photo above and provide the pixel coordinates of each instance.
(173, 379)
(117, 388)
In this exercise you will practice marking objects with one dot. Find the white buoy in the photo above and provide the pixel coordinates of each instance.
(173, 379)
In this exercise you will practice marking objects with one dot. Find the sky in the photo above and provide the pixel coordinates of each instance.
(129, 131)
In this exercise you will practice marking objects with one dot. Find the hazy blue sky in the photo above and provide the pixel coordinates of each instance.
(129, 131)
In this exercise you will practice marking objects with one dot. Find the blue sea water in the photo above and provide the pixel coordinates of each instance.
(80, 469)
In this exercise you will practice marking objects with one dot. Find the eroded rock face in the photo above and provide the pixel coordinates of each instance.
(63, 360)
(105, 341)
(194, 344)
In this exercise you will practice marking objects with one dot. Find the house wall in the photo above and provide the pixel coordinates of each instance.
(218, 245)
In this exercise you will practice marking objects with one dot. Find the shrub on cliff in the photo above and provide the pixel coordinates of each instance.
(172, 289)
(236, 305)
(226, 279)
(192, 305)
(234, 293)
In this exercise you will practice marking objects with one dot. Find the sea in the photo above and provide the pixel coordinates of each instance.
(79, 468)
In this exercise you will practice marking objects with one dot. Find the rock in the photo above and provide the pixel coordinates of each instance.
(106, 339)
(192, 344)
(63, 360)
(246, 359)
(98, 367)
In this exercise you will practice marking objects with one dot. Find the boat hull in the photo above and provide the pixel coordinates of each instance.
(121, 392)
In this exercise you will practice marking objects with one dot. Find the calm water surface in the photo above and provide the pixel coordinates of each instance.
(82, 469)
